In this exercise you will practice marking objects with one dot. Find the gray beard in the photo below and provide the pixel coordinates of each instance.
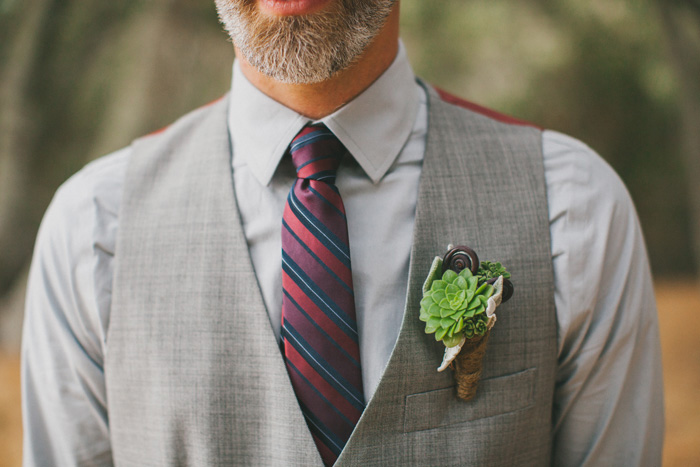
(304, 49)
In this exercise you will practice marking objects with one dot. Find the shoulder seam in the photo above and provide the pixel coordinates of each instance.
(163, 129)
(481, 110)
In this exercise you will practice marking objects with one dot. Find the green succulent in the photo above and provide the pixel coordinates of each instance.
(491, 270)
(455, 307)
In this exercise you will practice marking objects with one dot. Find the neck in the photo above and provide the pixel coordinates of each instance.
(317, 100)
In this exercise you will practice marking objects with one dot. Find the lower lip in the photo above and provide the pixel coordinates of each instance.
(291, 7)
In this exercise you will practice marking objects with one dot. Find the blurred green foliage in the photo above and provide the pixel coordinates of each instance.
(596, 70)
(79, 79)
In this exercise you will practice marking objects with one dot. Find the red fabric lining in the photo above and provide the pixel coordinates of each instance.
(447, 97)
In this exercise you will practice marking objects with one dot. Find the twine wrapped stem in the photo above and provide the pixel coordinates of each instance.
(468, 365)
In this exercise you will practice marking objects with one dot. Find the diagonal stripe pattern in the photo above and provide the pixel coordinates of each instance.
(319, 330)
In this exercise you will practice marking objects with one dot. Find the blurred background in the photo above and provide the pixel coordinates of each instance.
(79, 79)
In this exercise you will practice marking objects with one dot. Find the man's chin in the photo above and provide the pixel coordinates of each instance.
(291, 7)
(302, 48)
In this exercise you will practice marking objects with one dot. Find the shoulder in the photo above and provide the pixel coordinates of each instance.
(582, 185)
(93, 192)
(78, 231)
(595, 233)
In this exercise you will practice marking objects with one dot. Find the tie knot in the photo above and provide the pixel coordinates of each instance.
(316, 153)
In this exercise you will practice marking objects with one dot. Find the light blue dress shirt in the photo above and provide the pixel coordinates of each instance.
(608, 399)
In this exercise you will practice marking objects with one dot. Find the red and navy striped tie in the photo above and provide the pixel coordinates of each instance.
(319, 329)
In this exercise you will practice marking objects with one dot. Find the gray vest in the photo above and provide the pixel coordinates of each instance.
(193, 371)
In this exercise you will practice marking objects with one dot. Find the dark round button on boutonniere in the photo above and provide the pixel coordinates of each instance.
(461, 257)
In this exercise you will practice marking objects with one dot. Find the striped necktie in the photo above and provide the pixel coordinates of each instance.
(319, 330)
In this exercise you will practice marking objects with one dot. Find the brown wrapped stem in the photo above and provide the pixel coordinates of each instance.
(468, 366)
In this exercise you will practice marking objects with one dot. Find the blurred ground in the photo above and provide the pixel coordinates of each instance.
(10, 418)
(679, 317)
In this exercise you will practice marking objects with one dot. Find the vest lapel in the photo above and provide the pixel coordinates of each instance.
(412, 367)
(299, 446)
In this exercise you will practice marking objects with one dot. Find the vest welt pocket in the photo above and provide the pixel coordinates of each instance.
(495, 396)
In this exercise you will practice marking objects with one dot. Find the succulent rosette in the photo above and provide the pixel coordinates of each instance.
(454, 307)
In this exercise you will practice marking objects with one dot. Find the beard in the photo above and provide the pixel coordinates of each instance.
(304, 49)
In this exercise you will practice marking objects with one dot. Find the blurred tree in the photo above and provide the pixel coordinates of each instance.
(595, 70)
(681, 24)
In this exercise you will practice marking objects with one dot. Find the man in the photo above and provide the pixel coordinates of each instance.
(168, 276)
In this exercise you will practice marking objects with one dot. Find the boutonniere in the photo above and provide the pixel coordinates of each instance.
(460, 297)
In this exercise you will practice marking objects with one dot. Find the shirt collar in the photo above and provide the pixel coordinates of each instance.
(373, 127)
